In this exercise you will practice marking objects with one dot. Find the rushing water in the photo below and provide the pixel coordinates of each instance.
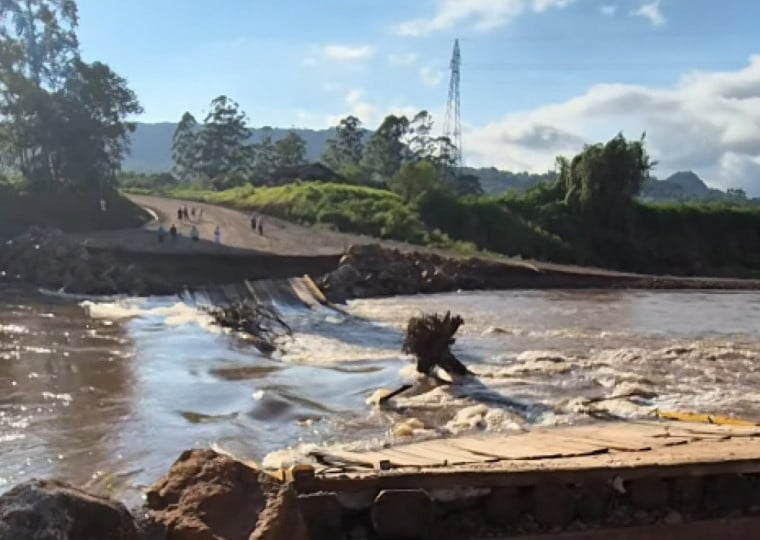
(115, 390)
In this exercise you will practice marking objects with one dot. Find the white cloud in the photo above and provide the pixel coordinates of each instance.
(608, 9)
(430, 76)
(485, 14)
(347, 53)
(651, 12)
(402, 59)
(707, 122)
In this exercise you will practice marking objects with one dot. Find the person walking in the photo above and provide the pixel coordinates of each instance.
(217, 234)
(173, 231)
(161, 234)
(179, 213)
(194, 234)
(260, 226)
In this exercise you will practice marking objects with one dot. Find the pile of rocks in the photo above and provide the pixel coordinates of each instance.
(373, 271)
(51, 259)
(205, 496)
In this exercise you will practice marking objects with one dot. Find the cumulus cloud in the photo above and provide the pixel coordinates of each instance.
(652, 12)
(402, 59)
(431, 76)
(707, 122)
(347, 53)
(484, 14)
(608, 9)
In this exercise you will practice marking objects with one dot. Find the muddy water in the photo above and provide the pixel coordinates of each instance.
(111, 392)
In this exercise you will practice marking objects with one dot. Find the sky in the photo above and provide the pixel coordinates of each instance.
(539, 78)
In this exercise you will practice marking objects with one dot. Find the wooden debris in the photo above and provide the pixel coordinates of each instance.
(261, 322)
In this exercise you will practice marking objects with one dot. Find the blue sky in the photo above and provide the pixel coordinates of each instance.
(539, 77)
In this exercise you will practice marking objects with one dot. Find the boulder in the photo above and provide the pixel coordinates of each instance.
(208, 496)
(49, 510)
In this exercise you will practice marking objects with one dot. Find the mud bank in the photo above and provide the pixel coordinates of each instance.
(371, 271)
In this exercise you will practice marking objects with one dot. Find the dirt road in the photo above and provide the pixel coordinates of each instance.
(280, 237)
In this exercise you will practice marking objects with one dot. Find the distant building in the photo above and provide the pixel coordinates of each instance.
(309, 172)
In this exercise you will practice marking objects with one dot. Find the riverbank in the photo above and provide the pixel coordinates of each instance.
(51, 259)
(374, 271)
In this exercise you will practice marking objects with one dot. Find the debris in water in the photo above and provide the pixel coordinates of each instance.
(262, 323)
(429, 338)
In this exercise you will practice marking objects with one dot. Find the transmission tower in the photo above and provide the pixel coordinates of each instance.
(452, 125)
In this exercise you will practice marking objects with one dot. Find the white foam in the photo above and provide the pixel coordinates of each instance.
(177, 314)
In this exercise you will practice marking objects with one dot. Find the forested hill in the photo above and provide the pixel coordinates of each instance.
(152, 153)
(152, 145)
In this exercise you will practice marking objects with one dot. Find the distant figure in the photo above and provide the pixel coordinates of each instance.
(173, 231)
(179, 213)
(217, 234)
(185, 213)
(161, 233)
(192, 212)
(194, 234)
(103, 205)
(254, 221)
(200, 213)
(260, 226)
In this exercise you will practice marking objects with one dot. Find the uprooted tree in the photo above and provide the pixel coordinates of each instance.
(261, 322)
(429, 338)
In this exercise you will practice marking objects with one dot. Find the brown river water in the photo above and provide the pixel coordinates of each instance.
(111, 391)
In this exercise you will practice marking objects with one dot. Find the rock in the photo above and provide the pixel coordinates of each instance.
(403, 513)
(209, 496)
(346, 274)
(281, 518)
(49, 510)
(323, 515)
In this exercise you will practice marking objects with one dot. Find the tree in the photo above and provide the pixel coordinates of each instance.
(415, 178)
(466, 184)
(46, 32)
(386, 150)
(603, 179)
(38, 45)
(290, 150)
(265, 161)
(91, 135)
(184, 147)
(347, 147)
(419, 140)
(222, 148)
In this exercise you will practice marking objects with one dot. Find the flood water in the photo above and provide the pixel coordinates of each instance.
(113, 391)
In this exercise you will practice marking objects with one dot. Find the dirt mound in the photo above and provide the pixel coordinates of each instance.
(49, 510)
(368, 271)
(208, 496)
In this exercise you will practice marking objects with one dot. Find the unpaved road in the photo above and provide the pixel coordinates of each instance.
(280, 237)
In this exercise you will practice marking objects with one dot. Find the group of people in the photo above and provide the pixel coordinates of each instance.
(184, 215)
(195, 235)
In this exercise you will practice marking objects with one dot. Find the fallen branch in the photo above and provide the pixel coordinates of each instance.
(261, 322)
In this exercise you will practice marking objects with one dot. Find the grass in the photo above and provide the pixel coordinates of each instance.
(353, 209)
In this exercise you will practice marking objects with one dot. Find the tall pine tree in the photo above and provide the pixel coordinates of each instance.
(184, 148)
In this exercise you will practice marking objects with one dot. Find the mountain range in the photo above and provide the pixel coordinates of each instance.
(151, 152)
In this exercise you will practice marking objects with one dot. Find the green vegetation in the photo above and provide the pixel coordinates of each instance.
(64, 129)
(588, 214)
